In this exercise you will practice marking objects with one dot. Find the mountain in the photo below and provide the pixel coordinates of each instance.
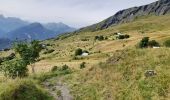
(4, 43)
(1, 33)
(8, 24)
(158, 8)
(34, 31)
(59, 27)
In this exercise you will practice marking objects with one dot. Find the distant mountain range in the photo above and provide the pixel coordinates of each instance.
(59, 27)
(12, 28)
(34, 31)
(5, 43)
(160, 7)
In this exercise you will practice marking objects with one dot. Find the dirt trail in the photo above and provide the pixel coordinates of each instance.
(58, 90)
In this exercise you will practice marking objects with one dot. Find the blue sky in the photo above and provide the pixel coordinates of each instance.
(76, 13)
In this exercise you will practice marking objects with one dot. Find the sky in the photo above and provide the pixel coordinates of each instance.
(76, 13)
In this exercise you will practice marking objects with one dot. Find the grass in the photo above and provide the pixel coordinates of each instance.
(22, 89)
(114, 69)
(125, 79)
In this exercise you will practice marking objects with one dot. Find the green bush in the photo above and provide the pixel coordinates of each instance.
(82, 65)
(49, 51)
(123, 36)
(167, 43)
(144, 42)
(14, 68)
(127, 36)
(78, 52)
(55, 68)
(153, 43)
(64, 67)
(100, 38)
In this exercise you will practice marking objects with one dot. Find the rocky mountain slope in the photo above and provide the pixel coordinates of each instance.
(160, 7)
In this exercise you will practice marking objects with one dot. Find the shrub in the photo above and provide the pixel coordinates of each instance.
(78, 52)
(82, 65)
(55, 68)
(49, 51)
(167, 43)
(126, 36)
(121, 37)
(64, 67)
(100, 38)
(144, 42)
(14, 68)
(153, 43)
(10, 57)
(96, 37)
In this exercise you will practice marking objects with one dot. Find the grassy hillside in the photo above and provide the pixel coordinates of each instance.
(114, 68)
(124, 79)
(155, 27)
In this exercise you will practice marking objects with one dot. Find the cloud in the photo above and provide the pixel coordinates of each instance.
(76, 13)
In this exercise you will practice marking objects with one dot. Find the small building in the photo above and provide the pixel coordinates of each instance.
(84, 54)
(119, 34)
(155, 47)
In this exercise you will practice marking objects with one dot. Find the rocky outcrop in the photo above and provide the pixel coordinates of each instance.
(160, 7)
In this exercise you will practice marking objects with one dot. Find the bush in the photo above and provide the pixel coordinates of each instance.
(100, 38)
(78, 52)
(49, 51)
(55, 68)
(153, 43)
(64, 67)
(127, 36)
(82, 65)
(96, 37)
(10, 57)
(14, 68)
(144, 42)
(123, 36)
(167, 43)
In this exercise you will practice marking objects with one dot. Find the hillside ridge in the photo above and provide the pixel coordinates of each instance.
(158, 8)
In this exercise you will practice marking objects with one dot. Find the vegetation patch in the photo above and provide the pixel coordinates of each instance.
(22, 90)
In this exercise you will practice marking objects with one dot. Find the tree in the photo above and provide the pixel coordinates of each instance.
(29, 52)
(144, 42)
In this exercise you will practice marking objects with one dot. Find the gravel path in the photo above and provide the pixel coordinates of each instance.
(58, 90)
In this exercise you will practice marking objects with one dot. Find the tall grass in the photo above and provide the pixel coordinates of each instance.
(22, 89)
(125, 78)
